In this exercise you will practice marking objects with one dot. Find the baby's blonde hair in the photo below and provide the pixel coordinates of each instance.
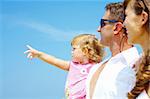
(90, 45)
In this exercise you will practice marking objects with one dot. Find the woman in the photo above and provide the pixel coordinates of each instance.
(137, 22)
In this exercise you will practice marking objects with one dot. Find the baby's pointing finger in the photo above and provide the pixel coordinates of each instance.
(27, 51)
(29, 55)
(29, 47)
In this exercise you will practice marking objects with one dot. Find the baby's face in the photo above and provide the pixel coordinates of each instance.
(78, 55)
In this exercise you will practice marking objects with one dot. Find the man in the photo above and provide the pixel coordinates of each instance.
(113, 78)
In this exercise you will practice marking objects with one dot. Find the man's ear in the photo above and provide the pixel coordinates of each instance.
(144, 16)
(117, 27)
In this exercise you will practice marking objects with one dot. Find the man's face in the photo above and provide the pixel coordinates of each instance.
(106, 31)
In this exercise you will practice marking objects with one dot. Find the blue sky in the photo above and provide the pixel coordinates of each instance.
(48, 26)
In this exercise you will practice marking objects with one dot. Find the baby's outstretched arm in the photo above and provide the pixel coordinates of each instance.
(33, 53)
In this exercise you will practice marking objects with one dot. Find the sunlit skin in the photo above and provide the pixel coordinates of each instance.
(134, 24)
(33, 53)
(111, 35)
(106, 32)
(78, 55)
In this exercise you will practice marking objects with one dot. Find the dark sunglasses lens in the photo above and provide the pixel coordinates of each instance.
(102, 23)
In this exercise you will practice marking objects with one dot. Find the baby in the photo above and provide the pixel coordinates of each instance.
(86, 52)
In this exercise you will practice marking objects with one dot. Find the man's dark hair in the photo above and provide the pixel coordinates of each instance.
(116, 11)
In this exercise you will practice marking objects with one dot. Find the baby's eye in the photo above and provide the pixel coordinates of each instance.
(73, 49)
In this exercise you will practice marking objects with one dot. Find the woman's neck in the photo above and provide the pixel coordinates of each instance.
(144, 41)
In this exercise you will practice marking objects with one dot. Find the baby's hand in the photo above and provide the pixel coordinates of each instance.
(32, 53)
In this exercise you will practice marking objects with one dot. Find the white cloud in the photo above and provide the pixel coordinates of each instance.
(53, 32)
(47, 30)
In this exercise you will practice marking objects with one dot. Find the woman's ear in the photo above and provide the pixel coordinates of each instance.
(117, 27)
(144, 17)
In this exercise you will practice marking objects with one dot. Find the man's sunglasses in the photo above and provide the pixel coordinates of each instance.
(102, 22)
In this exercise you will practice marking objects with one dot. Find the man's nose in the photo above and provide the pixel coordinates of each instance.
(99, 29)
